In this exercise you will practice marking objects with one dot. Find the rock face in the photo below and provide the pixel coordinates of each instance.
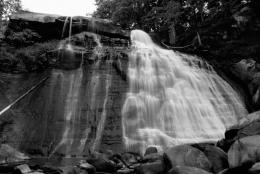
(79, 107)
(37, 27)
(248, 71)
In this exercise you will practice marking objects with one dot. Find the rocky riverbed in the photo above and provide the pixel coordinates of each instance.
(237, 153)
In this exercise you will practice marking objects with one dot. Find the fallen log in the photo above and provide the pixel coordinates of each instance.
(22, 96)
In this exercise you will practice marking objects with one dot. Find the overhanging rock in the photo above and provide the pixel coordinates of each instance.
(42, 27)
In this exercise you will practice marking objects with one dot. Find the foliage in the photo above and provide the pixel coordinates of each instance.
(23, 38)
(8, 7)
(174, 18)
(26, 59)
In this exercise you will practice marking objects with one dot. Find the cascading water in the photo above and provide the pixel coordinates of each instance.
(102, 121)
(71, 111)
(74, 139)
(174, 98)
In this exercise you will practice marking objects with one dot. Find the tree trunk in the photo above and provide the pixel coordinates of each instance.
(172, 34)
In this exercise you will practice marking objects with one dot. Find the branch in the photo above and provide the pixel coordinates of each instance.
(186, 46)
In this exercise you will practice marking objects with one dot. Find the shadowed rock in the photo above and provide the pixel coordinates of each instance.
(185, 155)
(216, 156)
(187, 170)
(244, 150)
(42, 27)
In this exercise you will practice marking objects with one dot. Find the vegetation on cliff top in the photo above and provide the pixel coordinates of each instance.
(224, 27)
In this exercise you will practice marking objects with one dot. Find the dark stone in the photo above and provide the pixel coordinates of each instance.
(185, 155)
(102, 163)
(77, 170)
(156, 167)
(87, 167)
(23, 169)
(125, 171)
(187, 170)
(255, 169)
(150, 150)
(131, 158)
(243, 169)
(216, 156)
(244, 150)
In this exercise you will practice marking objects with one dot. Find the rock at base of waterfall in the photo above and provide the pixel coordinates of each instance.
(76, 170)
(24, 168)
(187, 170)
(216, 156)
(131, 158)
(27, 168)
(125, 171)
(255, 169)
(102, 163)
(156, 167)
(150, 150)
(87, 167)
(247, 126)
(185, 155)
(9, 154)
(154, 163)
(243, 169)
(244, 150)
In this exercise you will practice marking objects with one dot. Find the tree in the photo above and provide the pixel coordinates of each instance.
(8, 7)
(174, 20)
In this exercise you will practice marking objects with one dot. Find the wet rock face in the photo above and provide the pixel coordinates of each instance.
(79, 107)
(40, 120)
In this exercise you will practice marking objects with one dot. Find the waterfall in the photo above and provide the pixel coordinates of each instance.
(101, 124)
(73, 81)
(174, 98)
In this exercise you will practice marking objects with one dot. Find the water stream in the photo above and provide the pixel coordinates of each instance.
(174, 98)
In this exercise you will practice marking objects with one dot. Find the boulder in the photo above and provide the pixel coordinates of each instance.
(87, 167)
(125, 171)
(243, 169)
(102, 163)
(154, 164)
(217, 157)
(247, 126)
(186, 155)
(156, 167)
(131, 158)
(244, 150)
(77, 170)
(24, 168)
(150, 150)
(255, 169)
(187, 170)
(10, 154)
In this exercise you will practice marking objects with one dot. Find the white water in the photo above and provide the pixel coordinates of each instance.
(174, 98)
(101, 124)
